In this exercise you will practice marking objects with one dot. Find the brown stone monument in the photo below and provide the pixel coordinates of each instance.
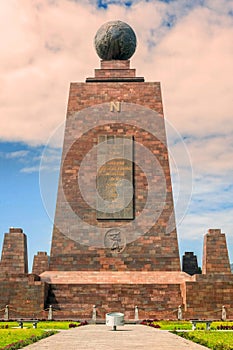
(107, 191)
(114, 241)
(189, 263)
(114, 223)
(14, 252)
(24, 293)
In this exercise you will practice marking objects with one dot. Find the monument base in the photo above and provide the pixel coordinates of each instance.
(73, 294)
(156, 294)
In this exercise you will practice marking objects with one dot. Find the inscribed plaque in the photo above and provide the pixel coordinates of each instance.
(115, 177)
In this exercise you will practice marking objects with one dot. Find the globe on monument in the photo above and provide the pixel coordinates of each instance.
(115, 40)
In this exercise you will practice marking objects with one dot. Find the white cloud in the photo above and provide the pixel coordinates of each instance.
(46, 45)
(29, 170)
(16, 154)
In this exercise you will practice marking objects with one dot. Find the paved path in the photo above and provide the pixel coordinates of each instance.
(100, 337)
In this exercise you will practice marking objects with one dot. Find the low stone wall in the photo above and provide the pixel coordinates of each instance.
(206, 296)
(77, 300)
(24, 294)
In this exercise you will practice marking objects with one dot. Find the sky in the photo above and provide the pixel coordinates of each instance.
(186, 45)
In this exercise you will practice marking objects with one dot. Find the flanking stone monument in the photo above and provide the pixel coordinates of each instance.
(114, 241)
(189, 263)
(14, 252)
(22, 294)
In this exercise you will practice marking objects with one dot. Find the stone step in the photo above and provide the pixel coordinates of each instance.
(115, 277)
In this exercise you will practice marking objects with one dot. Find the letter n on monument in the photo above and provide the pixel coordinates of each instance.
(115, 106)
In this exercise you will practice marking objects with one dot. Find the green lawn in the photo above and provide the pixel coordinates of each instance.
(42, 324)
(216, 340)
(174, 325)
(55, 325)
(187, 325)
(15, 334)
(213, 339)
(9, 336)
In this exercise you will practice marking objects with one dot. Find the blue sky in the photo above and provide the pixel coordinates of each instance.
(21, 203)
(186, 45)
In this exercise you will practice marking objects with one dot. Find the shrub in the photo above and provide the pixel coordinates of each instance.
(225, 327)
(150, 323)
(72, 325)
(157, 326)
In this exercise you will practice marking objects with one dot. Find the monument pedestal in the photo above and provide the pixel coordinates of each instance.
(157, 294)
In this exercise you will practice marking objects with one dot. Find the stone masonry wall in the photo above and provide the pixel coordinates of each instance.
(24, 294)
(206, 296)
(215, 253)
(40, 263)
(14, 252)
(153, 300)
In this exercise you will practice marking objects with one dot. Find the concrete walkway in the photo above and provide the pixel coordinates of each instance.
(100, 337)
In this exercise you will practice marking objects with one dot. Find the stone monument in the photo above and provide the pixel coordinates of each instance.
(114, 241)
(189, 263)
(114, 211)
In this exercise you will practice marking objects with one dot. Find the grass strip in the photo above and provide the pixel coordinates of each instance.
(41, 325)
(11, 339)
(187, 325)
(222, 340)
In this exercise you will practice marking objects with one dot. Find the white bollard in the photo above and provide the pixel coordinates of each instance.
(136, 317)
(224, 313)
(6, 314)
(94, 314)
(50, 314)
(179, 316)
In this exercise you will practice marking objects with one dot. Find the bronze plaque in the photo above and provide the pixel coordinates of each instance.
(115, 190)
